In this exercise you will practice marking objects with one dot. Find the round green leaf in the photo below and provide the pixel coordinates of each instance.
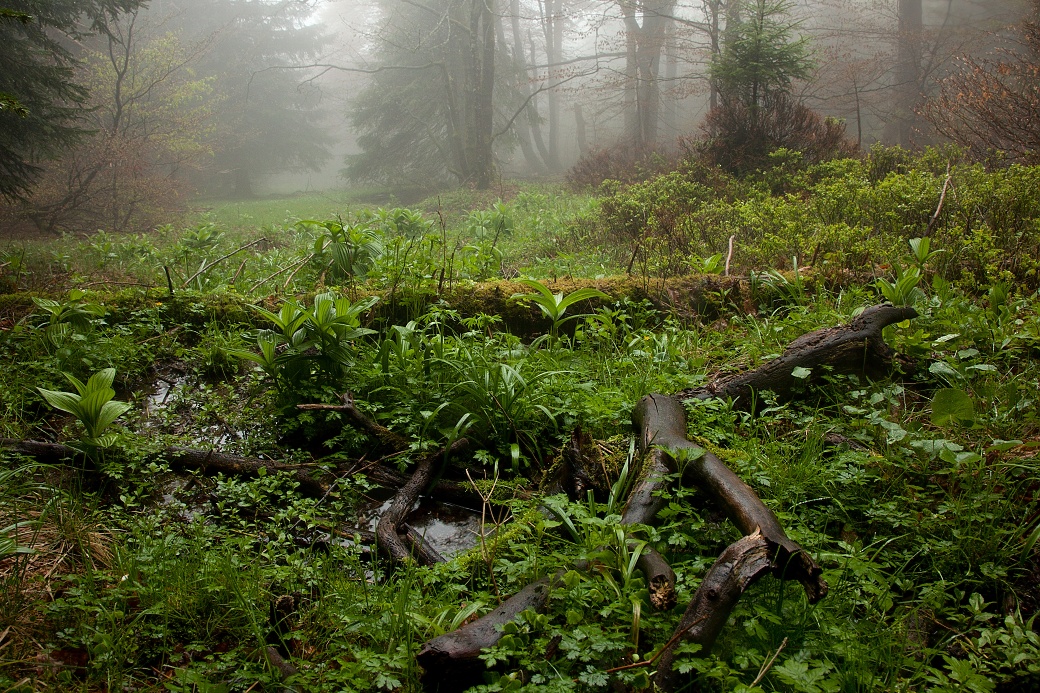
(952, 405)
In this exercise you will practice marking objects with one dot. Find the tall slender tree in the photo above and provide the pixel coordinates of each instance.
(270, 117)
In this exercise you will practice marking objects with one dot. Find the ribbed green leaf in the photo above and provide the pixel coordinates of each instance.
(65, 401)
(109, 413)
(103, 378)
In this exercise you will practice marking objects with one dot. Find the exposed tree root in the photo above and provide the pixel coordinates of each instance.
(390, 521)
(661, 422)
(854, 348)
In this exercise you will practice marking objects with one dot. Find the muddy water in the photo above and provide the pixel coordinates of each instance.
(448, 529)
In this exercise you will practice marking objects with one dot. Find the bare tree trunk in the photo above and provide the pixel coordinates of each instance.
(908, 69)
(518, 56)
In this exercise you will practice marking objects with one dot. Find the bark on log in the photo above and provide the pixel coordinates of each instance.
(644, 502)
(390, 522)
(740, 565)
(50, 453)
(661, 422)
(854, 348)
(451, 661)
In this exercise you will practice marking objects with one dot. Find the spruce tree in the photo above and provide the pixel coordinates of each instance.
(40, 101)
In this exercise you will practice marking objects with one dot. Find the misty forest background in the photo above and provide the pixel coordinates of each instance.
(139, 108)
(271, 269)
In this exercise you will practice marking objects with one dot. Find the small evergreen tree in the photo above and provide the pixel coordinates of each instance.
(760, 56)
(760, 59)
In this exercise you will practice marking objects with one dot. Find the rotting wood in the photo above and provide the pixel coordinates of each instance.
(390, 521)
(578, 470)
(737, 568)
(644, 501)
(857, 347)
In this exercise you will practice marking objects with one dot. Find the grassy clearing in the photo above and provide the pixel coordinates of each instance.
(916, 493)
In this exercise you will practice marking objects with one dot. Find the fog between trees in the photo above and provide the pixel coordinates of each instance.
(223, 98)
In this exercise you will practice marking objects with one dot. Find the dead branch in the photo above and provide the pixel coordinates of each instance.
(661, 423)
(390, 522)
(381, 433)
(737, 568)
(854, 348)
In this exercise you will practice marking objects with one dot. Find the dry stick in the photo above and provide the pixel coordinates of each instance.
(238, 272)
(379, 432)
(484, 505)
(110, 282)
(296, 269)
(206, 268)
(942, 200)
(263, 281)
(180, 458)
(649, 662)
(729, 255)
(768, 665)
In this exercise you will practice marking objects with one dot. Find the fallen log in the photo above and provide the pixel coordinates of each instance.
(206, 461)
(854, 348)
(390, 521)
(741, 564)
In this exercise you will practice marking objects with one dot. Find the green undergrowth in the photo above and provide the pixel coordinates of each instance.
(916, 493)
